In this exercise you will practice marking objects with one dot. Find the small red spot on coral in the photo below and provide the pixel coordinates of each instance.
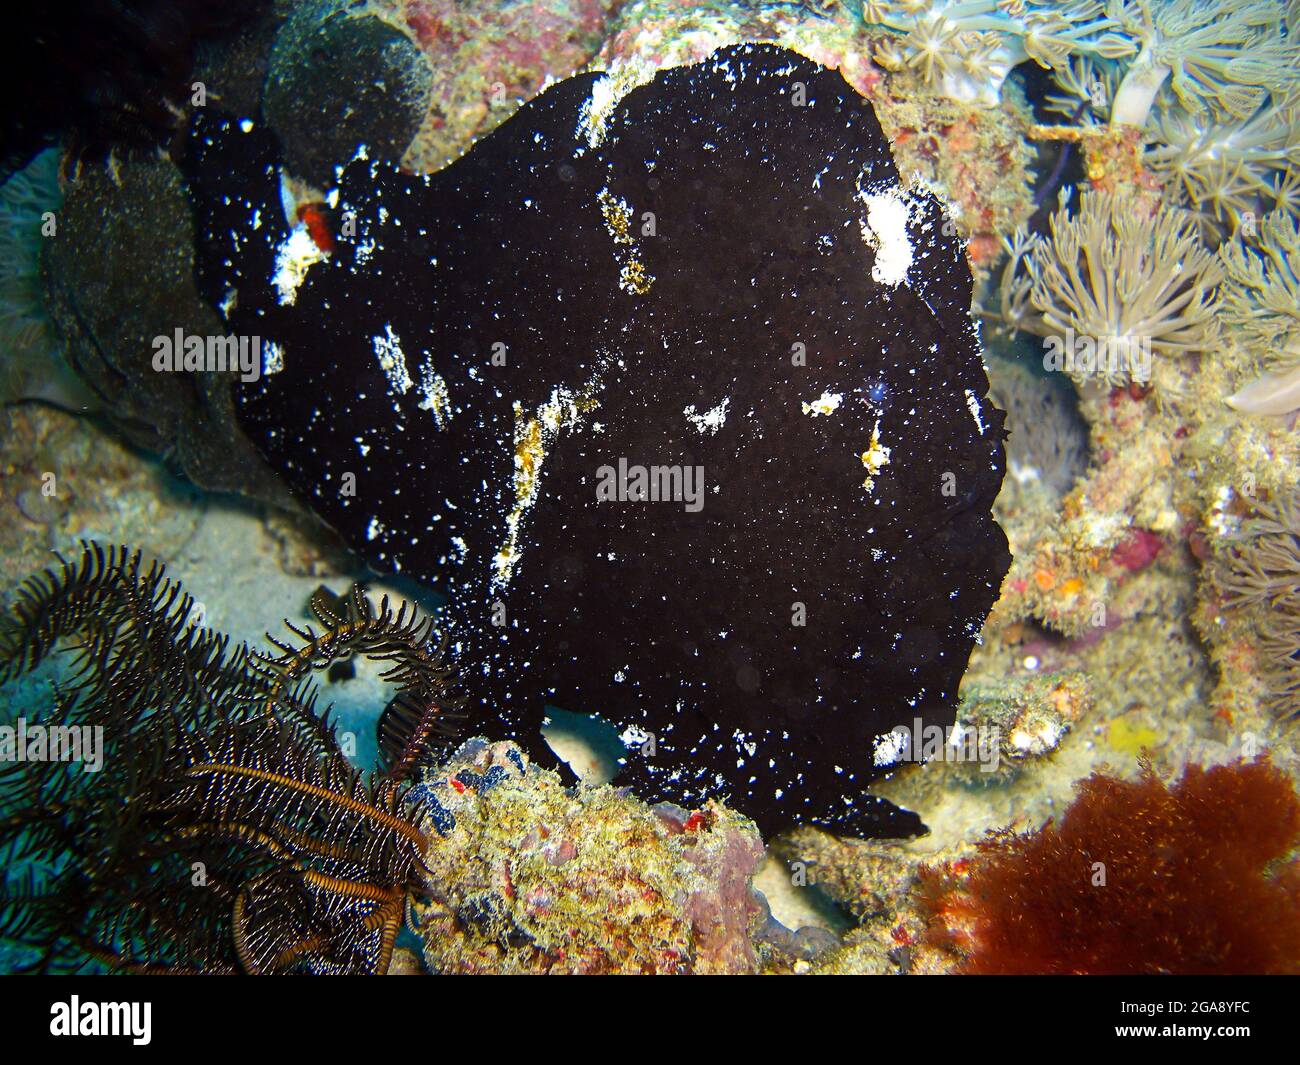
(565, 852)
(901, 935)
(426, 27)
(870, 80)
(983, 248)
(1137, 550)
(456, 786)
(313, 216)
(695, 822)
(960, 136)
(1198, 545)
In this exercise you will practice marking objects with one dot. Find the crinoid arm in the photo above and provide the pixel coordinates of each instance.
(226, 830)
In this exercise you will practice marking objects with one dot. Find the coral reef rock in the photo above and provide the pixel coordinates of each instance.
(525, 875)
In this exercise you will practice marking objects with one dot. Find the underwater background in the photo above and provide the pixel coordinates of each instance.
(1105, 730)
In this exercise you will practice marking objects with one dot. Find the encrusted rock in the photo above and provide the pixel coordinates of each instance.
(526, 875)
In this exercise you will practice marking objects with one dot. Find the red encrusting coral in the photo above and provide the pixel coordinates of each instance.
(1138, 549)
(1138, 877)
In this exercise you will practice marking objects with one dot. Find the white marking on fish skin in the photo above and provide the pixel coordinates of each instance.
(534, 437)
(620, 79)
(827, 403)
(388, 350)
(711, 420)
(293, 258)
(272, 358)
(875, 458)
(885, 231)
(973, 405)
(437, 398)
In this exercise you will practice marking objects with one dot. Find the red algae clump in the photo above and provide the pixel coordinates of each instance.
(1138, 877)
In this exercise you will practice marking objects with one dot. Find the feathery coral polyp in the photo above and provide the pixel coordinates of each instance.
(1125, 275)
(1221, 56)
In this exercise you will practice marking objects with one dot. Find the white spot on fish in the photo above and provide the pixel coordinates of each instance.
(388, 350)
(293, 258)
(827, 403)
(885, 230)
(711, 420)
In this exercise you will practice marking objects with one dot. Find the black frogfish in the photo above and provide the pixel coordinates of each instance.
(672, 389)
